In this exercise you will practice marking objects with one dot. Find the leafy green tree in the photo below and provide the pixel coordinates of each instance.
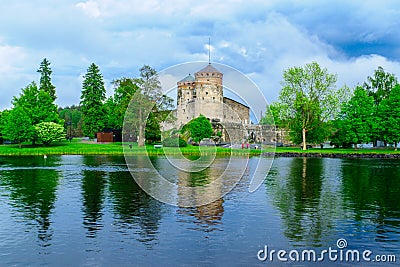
(358, 118)
(199, 128)
(152, 130)
(49, 132)
(45, 79)
(124, 90)
(389, 112)
(72, 115)
(380, 85)
(17, 126)
(3, 122)
(308, 100)
(339, 137)
(38, 105)
(143, 102)
(92, 99)
(270, 115)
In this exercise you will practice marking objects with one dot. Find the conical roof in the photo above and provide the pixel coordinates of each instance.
(209, 69)
(188, 78)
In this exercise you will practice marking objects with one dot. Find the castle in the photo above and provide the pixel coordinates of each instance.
(203, 94)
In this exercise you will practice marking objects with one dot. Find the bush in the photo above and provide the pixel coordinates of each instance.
(49, 132)
(174, 142)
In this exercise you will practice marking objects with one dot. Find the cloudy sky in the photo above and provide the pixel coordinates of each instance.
(260, 38)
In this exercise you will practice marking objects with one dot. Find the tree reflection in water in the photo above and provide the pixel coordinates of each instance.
(305, 197)
(33, 192)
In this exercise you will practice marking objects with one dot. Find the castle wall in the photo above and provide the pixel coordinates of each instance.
(239, 133)
(235, 112)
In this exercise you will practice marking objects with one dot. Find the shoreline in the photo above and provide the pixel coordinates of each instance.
(83, 148)
(332, 155)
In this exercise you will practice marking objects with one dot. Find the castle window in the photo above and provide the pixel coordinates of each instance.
(187, 93)
(208, 80)
(213, 97)
(206, 93)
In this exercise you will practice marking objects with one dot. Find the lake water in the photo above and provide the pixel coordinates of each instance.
(89, 211)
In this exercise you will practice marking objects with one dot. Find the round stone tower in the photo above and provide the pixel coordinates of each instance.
(200, 95)
(209, 92)
(186, 95)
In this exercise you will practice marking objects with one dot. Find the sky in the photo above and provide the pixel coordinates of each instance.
(259, 38)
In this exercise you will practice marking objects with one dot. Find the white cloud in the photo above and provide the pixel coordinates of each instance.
(90, 8)
(259, 38)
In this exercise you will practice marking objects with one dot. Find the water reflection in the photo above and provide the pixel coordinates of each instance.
(206, 217)
(321, 200)
(371, 188)
(135, 211)
(32, 191)
(303, 194)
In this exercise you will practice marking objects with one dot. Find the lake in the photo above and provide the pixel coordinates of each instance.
(89, 211)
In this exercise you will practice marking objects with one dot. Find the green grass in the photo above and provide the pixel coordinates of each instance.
(337, 150)
(78, 147)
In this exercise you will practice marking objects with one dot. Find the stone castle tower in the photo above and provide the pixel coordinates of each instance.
(203, 94)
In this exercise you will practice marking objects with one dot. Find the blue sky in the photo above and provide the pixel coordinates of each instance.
(259, 38)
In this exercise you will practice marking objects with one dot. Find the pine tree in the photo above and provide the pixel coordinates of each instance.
(92, 99)
(45, 79)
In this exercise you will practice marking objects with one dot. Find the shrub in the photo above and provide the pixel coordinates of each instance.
(49, 132)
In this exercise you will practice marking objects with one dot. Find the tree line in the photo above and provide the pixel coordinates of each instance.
(34, 116)
(313, 110)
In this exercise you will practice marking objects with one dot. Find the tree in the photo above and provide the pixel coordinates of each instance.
(92, 98)
(72, 115)
(380, 85)
(152, 130)
(17, 126)
(308, 100)
(357, 117)
(389, 112)
(49, 132)
(38, 105)
(150, 89)
(45, 79)
(124, 90)
(143, 102)
(199, 128)
(269, 116)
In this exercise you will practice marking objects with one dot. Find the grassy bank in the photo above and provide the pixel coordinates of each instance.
(78, 147)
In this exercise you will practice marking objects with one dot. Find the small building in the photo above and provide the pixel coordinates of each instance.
(109, 135)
